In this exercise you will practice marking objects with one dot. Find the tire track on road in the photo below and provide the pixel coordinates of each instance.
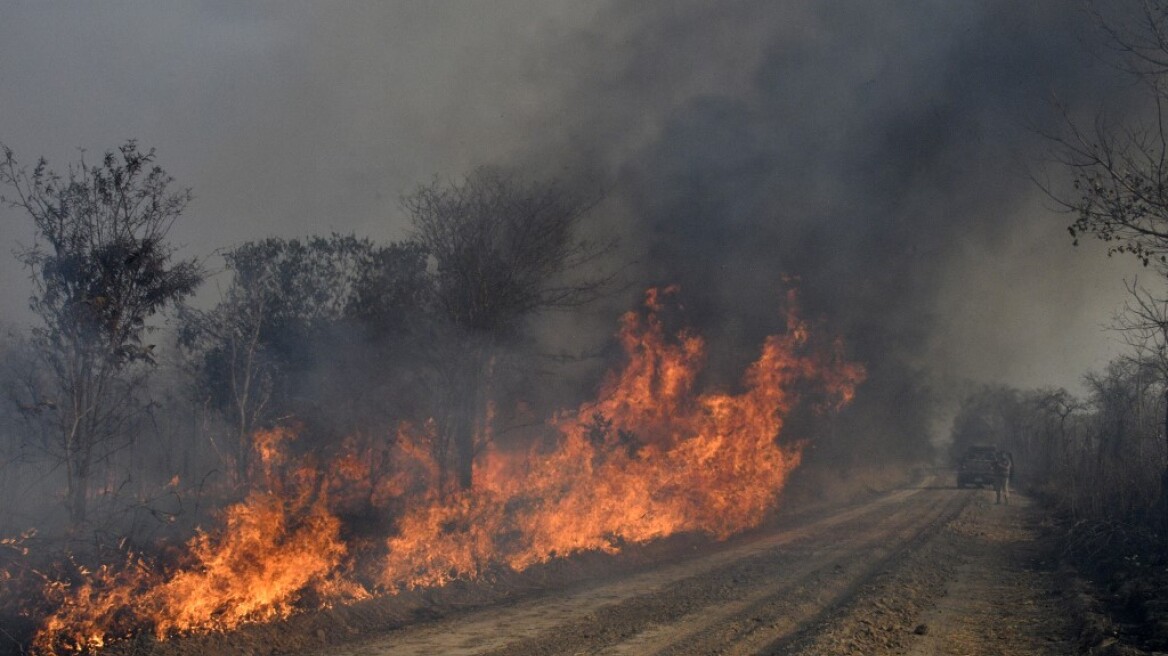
(748, 574)
(801, 597)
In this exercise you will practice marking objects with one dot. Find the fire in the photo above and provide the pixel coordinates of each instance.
(650, 457)
(273, 546)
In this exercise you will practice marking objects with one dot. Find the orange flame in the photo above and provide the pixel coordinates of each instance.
(651, 457)
(273, 547)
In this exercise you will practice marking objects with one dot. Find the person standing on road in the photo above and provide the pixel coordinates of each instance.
(1003, 464)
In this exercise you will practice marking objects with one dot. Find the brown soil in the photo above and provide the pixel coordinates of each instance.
(986, 585)
(1003, 595)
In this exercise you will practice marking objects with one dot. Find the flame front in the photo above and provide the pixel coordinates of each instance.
(651, 457)
(272, 548)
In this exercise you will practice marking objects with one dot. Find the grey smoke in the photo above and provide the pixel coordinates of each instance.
(876, 151)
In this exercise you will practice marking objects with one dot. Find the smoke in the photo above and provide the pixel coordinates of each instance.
(874, 155)
(877, 153)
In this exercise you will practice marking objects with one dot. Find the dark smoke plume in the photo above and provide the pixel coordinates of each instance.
(874, 152)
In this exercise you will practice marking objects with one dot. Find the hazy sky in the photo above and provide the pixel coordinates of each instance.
(876, 150)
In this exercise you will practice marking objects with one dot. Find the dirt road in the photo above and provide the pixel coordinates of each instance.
(926, 570)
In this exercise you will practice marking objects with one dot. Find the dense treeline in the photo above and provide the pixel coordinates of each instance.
(1097, 458)
(1102, 458)
(1097, 463)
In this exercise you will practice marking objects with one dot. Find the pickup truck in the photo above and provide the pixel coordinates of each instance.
(976, 466)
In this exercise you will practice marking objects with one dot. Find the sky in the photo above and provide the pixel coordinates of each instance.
(879, 153)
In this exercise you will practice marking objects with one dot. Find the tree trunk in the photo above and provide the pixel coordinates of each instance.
(470, 407)
(464, 441)
(464, 423)
(242, 452)
(78, 496)
(1164, 474)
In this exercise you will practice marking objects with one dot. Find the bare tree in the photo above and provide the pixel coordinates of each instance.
(1115, 395)
(101, 268)
(1144, 326)
(1119, 171)
(1055, 409)
(233, 329)
(1119, 191)
(504, 249)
